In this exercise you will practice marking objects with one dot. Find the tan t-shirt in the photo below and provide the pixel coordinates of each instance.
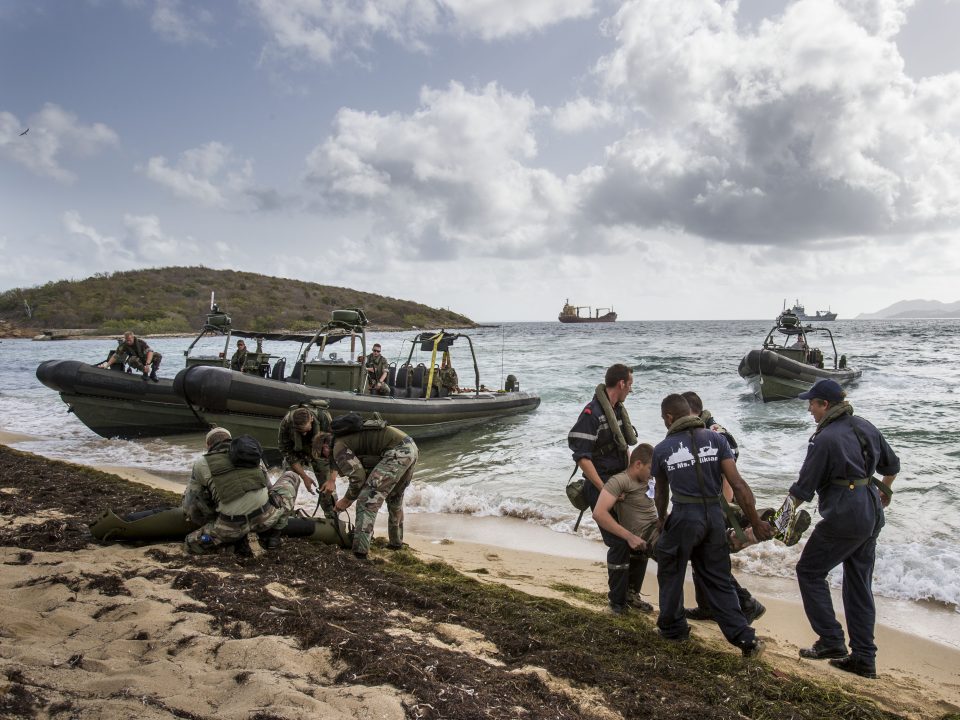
(636, 511)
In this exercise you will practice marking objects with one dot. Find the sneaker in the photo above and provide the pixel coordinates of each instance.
(857, 666)
(638, 603)
(698, 613)
(799, 526)
(753, 649)
(753, 611)
(617, 609)
(821, 651)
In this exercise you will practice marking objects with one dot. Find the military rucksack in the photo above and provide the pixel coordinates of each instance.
(245, 452)
(353, 423)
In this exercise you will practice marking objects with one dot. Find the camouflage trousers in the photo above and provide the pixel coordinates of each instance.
(386, 482)
(134, 362)
(221, 531)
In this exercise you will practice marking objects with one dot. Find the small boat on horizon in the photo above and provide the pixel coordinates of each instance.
(572, 314)
(781, 371)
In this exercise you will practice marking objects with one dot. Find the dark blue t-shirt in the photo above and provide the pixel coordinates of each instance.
(673, 460)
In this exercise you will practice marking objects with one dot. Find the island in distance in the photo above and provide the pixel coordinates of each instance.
(915, 310)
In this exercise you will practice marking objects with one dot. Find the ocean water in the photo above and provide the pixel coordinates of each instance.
(518, 467)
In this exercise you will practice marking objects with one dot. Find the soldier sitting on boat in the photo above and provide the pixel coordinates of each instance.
(377, 367)
(230, 496)
(239, 359)
(137, 354)
(449, 382)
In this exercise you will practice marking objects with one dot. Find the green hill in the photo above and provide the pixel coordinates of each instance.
(176, 299)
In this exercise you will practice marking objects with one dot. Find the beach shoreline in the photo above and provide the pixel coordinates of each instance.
(918, 675)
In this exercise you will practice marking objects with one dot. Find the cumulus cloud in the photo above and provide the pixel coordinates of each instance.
(450, 177)
(583, 114)
(805, 128)
(320, 30)
(142, 241)
(181, 24)
(214, 176)
(53, 133)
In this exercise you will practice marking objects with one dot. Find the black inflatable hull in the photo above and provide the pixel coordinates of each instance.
(776, 377)
(254, 405)
(117, 404)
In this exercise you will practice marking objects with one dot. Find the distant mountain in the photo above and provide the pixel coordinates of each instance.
(176, 300)
(919, 309)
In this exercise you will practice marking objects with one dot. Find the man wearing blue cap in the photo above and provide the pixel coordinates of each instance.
(843, 454)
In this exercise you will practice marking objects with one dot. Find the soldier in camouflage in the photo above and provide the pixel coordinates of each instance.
(239, 358)
(449, 382)
(376, 366)
(230, 501)
(137, 354)
(295, 438)
(379, 466)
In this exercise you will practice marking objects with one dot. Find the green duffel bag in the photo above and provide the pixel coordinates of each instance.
(576, 495)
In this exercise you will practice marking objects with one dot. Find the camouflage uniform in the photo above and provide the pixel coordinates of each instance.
(136, 355)
(239, 359)
(297, 448)
(376, 366)
(448, 379)
(227, 521)
(390, 455)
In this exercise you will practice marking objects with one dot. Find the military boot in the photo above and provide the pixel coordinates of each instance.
(269, 539)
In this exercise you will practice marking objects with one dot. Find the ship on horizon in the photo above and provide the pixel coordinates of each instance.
(572, 314)
(801, 313)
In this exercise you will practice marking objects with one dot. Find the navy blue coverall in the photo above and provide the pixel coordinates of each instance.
(847, 533)
(696, 532)
(591, 438)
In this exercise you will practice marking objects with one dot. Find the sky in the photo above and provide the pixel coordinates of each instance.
(691, 159)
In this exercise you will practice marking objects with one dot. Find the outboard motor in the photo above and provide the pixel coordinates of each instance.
(511, 384)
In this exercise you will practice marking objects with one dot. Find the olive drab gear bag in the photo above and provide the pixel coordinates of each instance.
(576, 495)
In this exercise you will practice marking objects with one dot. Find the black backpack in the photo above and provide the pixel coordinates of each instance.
(245, 451)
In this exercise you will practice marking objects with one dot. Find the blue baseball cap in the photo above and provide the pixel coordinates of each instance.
(824, 389)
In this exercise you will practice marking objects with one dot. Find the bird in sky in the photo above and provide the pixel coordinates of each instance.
(24, 132)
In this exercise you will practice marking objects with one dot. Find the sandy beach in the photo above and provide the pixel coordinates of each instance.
(134, 644)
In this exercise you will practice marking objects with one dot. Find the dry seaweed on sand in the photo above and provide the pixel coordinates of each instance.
(381, 621)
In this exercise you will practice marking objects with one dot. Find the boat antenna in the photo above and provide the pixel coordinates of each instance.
(212, 303)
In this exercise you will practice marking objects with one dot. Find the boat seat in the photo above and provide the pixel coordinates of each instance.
(296, 375)
(278, 367)
(391, 375)
(419, 377)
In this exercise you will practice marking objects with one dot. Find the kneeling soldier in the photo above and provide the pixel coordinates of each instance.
(389, 455)
(230, 495)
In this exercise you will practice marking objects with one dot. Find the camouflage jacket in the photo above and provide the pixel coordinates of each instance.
(139, 350)
(357, 453)
(375, 367)
(297, 447)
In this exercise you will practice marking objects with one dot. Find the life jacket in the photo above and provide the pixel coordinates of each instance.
(231, 482)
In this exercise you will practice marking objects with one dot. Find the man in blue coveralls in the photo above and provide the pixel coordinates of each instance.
(600, 441)
(691, 463)
(843, 454)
